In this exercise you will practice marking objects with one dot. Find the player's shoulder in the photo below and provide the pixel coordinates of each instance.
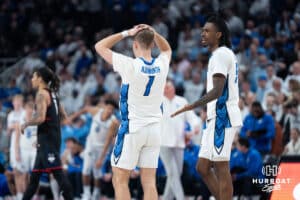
(223, 50)
(43, 92)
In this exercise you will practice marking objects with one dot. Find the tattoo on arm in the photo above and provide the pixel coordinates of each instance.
(41, 108)
(216, 92)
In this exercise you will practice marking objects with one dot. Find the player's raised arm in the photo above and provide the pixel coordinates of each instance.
(162, 44)
(103, 47)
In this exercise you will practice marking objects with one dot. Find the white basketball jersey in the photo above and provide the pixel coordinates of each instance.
(142, 89)
(28, 138)
(223, 61)
(13, 118)
(99, 129)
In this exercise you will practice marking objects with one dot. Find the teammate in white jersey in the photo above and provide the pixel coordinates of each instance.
(223, 114)
(25, 150)
(141, 96)
(14, 118)
(102, 120)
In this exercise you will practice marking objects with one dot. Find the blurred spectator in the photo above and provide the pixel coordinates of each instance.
(160, 27)
(262, 88)
(295, 74)
(277, 146)
(193, 89)
(293, 147)
(259, 128)
(245, 164)
(72, 162)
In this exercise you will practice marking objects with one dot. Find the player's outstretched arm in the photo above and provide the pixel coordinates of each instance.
(103, 47)
(87, 109)
(218, 85)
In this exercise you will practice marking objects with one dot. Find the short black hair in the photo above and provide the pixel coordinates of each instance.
(244, 142)
(112, 103)
(222, 27)
(257, 104)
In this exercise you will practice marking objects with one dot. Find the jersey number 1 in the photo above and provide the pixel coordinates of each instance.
(149, 85)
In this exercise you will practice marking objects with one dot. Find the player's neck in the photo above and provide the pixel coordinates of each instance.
(18, 109)
(170, 97)
(213, 47)
(104, 117)
(42, 86)
(146, 55)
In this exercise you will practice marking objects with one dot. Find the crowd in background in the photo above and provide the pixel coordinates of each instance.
(265, 37)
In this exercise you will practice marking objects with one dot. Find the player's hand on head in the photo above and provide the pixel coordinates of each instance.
(146, 26)
(133, 31)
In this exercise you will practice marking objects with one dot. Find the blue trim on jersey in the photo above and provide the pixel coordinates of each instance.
(222, 119)
(146, 62)
(124, 127)
(162, 108)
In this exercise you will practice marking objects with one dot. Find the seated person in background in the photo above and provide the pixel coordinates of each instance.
(293, 147)
(192, 183)
(73, 163)
(245, 164)
(259, 128)
(107, 189)
(6, 188)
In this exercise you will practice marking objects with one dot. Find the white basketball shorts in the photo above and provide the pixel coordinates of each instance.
(140, 148)
(216, 145)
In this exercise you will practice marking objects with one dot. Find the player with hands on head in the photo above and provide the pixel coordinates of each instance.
(141, 97)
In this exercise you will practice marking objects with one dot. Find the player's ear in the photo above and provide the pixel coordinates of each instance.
(152, 45)
(135, 44)
(219, 35)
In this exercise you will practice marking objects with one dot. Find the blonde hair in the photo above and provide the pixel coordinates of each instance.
(145, 38)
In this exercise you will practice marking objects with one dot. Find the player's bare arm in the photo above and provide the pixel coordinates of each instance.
(218, 85)
(103, 47)
(111, 133)
(87, 109)
(62, 113)
(41, 108)
(17, 143)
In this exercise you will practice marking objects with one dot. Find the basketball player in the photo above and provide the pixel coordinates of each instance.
(141, 96)
(48, 115)
(223, 113)
(25, 150)
(102, 120)
(14, 118)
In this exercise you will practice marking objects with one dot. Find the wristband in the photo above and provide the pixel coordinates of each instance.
(125, 34)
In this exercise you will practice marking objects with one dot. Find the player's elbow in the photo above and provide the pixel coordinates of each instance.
(41, 119)
(218, 93)
(99, 48)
